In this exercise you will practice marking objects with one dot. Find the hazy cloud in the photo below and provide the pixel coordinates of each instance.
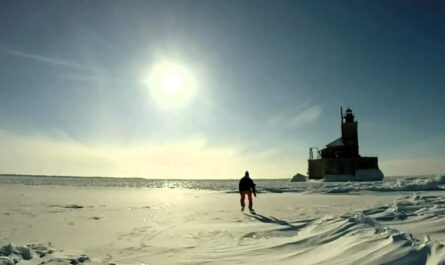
(297, 118)
(54, 61)
(187, 159)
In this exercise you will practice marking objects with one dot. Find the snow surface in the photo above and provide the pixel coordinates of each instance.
(118, 225)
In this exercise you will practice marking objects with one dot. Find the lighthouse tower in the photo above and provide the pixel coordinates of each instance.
(349, 135)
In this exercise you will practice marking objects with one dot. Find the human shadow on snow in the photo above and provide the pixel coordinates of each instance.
(274, 220)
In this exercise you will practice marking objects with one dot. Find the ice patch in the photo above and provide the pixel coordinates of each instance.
(440, 179)
(43, 254)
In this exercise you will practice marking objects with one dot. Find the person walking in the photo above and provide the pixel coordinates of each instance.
(246, 188)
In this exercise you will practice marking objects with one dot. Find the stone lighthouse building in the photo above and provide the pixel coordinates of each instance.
(340, 160)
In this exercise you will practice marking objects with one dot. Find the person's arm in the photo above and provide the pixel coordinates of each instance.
(253, 189)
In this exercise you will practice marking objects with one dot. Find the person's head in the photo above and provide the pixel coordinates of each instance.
(246, 174)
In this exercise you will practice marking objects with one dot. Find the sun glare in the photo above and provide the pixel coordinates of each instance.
(171, 85)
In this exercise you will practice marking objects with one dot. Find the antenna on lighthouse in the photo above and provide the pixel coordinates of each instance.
(341, 115)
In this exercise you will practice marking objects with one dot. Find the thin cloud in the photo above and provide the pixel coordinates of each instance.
(301, 117)
(52, 61)
(308, 115)
(99, 79)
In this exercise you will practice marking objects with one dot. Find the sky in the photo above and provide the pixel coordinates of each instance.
(209, 89)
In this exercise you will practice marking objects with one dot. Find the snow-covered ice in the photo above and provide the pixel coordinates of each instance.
(325, 223)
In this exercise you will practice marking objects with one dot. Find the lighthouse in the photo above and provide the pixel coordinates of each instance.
(340, 160)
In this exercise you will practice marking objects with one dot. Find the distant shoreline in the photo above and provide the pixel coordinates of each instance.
(181, 179)
(128, 178)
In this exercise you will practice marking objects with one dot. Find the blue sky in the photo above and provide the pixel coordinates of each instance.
(270, 77)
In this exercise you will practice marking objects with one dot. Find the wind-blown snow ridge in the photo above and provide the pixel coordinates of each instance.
(356, 239)
(369, 237)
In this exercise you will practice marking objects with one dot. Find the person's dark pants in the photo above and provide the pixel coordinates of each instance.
(249, 197)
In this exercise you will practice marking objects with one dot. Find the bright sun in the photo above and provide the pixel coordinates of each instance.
(171, 85)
